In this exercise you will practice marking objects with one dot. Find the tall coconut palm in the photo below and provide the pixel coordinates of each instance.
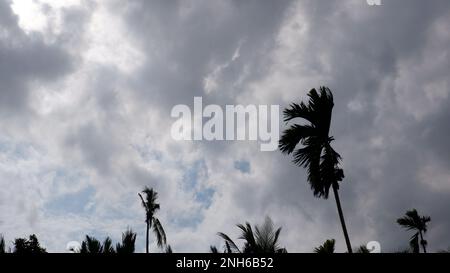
(151, 207)
(412, 221)
(263, 240)
(316, 155)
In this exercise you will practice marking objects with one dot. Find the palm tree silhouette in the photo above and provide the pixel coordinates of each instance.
(263, 240)
(168, 249)
(362, 249)
(412, 221)
(2, 245)
(151, 207)
(108, 247)
(91, 245)
(127, 245)
(317, 155)
(326, 248)
(213, 249)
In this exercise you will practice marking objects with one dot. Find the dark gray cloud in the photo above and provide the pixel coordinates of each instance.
(25, 60)
(185, 41)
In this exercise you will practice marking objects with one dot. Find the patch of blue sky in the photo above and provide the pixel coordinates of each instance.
(16, 150)
(242, 165)
(191, 182)
(79, 202)
(147, 154)
(193, 174)
(193, 177)
(187, 220)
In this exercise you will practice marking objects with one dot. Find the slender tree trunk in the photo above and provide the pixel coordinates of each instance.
(421, 242)
(341, 217)
(146, 238)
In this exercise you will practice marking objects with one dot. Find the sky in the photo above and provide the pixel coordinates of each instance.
(87, 88)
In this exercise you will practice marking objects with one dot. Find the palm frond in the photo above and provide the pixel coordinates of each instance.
(168, 249)
(247, 235)
(229, 244)
(108, 246)
(298, 111)
(267, 237)
(294, 135)
(159, 232)
(326, 248)
(213, 249)
(362, 249)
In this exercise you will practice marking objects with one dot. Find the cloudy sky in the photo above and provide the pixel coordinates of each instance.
(86, 90)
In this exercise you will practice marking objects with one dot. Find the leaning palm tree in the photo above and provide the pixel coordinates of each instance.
(263, 240)
(317, 155)
(326, 248)
(151, 207)
(412, 221)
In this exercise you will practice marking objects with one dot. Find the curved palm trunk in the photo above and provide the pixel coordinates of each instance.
(146, 238)
(421, 242)
(341, 217)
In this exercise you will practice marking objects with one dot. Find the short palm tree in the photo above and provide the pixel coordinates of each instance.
(263, 240)
(91, 245)
(108, 247)
(412, 221)
(151, 207)
(326, 248)
(317, 155)
(362, 249)
(127, 245)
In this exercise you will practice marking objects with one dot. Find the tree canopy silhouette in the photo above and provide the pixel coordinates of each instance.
(263, 240)
(91, 245)
(317, 155)
(127, 245)
(2, 245)
(30, 246)
(326, 248)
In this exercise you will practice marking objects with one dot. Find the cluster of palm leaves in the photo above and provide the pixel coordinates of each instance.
(264, 239)
(412, 221)
(91, 245)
